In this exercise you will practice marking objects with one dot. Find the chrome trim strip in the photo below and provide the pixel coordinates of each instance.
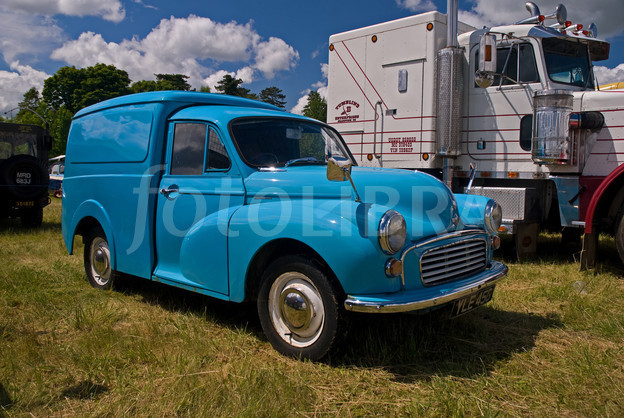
(490, 277)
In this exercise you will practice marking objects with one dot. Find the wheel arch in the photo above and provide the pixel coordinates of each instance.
(276, 249)
(606, 202)
(88, 216)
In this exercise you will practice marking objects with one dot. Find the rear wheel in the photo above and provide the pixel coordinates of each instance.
(298, 308)
(97, 260)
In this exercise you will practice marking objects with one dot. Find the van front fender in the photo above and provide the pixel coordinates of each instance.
(342, 232)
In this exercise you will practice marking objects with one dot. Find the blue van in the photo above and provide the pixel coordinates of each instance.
(239, 200)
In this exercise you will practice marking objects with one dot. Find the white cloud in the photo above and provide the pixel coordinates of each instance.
(609, 75)
(166, 50)
(18, 81)
(275, 55)
(111, 10)
(23, 35)
(606, 14)
(416, 5)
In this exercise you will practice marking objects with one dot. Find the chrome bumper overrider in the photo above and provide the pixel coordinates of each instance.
(405, 301)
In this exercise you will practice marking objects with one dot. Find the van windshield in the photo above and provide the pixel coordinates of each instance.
(568, 62)
(277, 142)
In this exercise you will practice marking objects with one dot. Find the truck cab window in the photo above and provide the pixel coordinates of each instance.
(189, 143)
(568, 62)
(521, 67)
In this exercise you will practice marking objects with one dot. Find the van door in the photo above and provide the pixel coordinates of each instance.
(197, 195)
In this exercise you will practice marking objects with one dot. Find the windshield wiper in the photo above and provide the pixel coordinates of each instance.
(303, 160)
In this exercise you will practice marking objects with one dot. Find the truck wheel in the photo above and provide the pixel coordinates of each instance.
(97, 260)
(32, 218)
(298, 308)
(619, 235)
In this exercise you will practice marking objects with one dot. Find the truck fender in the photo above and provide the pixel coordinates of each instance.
(598, 195)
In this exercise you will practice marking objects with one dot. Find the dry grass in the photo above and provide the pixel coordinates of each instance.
(550, 343)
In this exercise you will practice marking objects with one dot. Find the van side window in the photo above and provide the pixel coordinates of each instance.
(217, 158)
(189, 144)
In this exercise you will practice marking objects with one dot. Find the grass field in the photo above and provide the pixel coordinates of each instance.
(551, 342)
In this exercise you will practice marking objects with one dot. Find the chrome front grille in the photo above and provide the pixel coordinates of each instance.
(453, 261)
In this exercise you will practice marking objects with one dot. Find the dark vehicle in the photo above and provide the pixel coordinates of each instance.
(24, 174)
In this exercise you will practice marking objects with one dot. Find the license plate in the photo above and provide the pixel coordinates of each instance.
(468, 303)
(25, 204)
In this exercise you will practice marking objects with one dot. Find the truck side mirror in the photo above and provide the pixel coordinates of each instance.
(484, 76)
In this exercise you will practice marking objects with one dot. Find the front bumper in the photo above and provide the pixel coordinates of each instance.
(414, 300)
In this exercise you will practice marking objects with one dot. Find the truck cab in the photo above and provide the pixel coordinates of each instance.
(513, 111)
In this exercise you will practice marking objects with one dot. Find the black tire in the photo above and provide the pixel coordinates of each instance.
(97, 260)
(26, 177)
(32, 218)
(619, 235)
(299, 308)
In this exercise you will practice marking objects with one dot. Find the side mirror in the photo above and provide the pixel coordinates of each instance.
(484, 76)
(338, 170)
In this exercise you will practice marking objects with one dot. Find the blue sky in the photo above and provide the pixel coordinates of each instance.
(266, 43)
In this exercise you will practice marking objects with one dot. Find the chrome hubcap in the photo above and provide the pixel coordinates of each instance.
(296, 309)
(100, 261)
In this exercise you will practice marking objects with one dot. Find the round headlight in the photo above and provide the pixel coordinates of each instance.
(392, 232)
(493, 217)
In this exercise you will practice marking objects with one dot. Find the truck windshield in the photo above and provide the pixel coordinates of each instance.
(13, 142)
(272, 142)
(568, 62)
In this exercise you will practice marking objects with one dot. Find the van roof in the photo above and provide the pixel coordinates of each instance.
(183, 97)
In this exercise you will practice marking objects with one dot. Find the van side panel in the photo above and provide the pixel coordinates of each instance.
(114, 159)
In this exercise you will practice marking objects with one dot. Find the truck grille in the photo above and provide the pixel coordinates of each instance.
(453, 261)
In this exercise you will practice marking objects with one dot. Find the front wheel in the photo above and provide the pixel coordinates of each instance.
(97, 259)
(298, 308)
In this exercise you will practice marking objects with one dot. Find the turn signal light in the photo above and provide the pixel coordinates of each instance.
(394, 267)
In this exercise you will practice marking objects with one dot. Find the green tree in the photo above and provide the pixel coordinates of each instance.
(231, 86)
(173, 81)
(30, 103)
(75, 88)
(205, 89)
(274, 96)
(144, 86)
(316, 107)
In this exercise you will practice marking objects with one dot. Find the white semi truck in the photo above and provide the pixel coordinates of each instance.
(512, 112)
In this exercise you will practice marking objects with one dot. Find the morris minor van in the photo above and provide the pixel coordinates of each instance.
(239, 200)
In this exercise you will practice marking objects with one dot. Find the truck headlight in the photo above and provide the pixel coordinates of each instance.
(493, 217)
(392, 232)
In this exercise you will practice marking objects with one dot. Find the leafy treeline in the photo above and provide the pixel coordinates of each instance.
(71, 89)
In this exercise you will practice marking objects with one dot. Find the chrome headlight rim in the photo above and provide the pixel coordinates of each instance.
(493, 217)
(391, 235)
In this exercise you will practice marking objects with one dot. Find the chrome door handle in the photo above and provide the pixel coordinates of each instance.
(171, 189)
